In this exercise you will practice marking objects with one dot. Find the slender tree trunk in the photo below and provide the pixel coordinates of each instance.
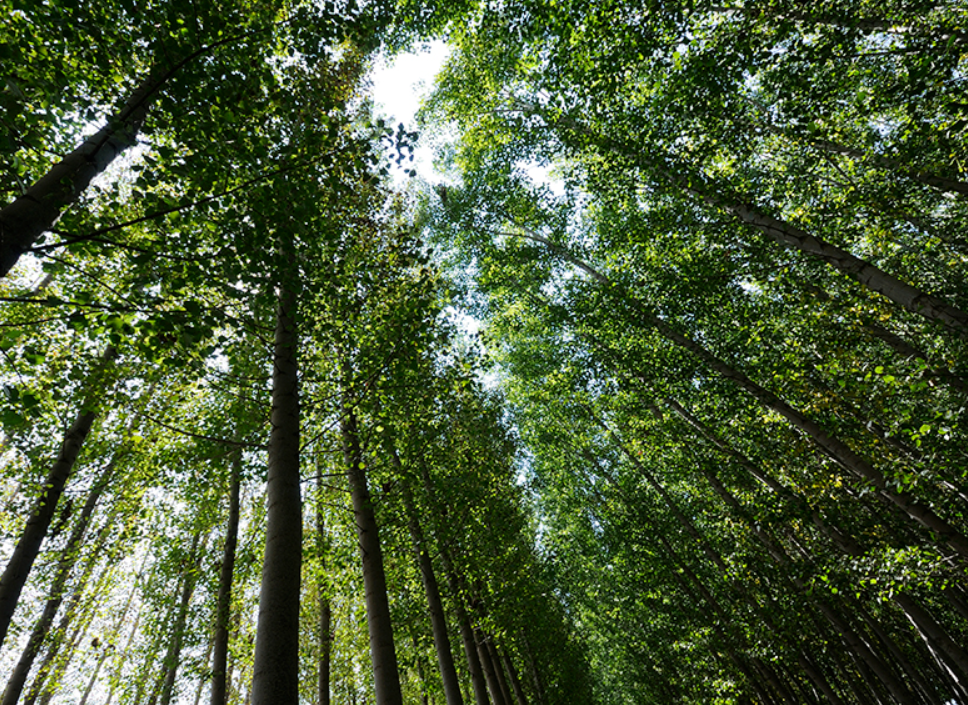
(108, 646)
(18, 568)
(223, 611)
(125, 650)
(276, 662)
(474, 667)
(201, 681)
(533, 668)
(92, 681)
(382, 650)
(325, 608)
(515, 680)
(438, 620)
(173, 656)
(65, 565)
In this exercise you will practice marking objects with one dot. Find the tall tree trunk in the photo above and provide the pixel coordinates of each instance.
(474, 667)
(382, 650)
(18, 568)
(325, 608)
(276, 663)
(65, 565)
(173, 656)
(223, 614)
(108, 646)
(513, 675)
(539, 690)
(438, 620)
(37, 210)
(502, 680)
(125, 650)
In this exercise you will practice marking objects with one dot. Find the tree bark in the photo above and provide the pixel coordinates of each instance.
(490, 673)
(513, 675)
(382, 649)
(502, 680)
(276, 663)
(220, 649)
(18, 568)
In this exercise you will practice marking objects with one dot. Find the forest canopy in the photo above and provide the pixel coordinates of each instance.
(703, 443)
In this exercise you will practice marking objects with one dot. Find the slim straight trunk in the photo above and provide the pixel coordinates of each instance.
(533, 668)
(325, 609)
(223, 615)
(474, 666)
(92, 681)
(438, 620)
(502, 680)
(18, 568)
(107, 646)
(127, 649)
(201, 681)
(65, 565)
(386, 675)
(173, 656)
(276, 663)
(513, 675)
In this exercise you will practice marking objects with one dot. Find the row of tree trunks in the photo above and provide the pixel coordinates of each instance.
(917, 512)
(908, 604)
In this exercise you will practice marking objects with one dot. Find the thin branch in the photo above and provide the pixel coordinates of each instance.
(224, 441)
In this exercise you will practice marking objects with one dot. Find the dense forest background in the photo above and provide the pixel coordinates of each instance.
(704, 442)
